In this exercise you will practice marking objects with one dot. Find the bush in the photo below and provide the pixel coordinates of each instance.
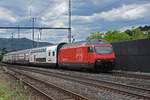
(1, 57)
(17, 92)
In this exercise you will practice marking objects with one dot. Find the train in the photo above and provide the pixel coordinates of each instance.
(95, 55)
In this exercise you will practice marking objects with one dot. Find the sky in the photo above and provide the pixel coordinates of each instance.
(87, 16)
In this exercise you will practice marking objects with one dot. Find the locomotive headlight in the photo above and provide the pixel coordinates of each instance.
(98, 60)
(112, 60)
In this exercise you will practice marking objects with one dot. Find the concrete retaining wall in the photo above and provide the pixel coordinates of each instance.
(133, 55)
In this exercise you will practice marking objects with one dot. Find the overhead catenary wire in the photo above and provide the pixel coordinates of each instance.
(33, 26)
(69, 17)
(45, 8)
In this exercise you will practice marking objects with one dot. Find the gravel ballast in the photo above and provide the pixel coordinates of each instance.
(89, 91)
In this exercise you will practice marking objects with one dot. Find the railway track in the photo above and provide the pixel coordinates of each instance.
(128, 90)
(131, 75)
(119, 74)
(38, 91)
(59, 93)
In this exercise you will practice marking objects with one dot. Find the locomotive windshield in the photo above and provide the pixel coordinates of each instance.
(104, 49)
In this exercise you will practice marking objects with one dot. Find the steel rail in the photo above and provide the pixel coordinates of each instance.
(123, 74)
(90, 82)
(46, 97)
(70, 93)
(131, 75)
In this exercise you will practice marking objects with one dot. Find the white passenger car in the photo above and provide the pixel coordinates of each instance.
(44, 55)
(47, 55)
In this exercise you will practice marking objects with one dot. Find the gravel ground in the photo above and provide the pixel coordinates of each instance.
(51, 91)
(127, 81)
(92, 92)
(26, 94)
(89, 91)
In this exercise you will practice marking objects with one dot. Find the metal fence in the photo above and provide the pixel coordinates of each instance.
(133, 55)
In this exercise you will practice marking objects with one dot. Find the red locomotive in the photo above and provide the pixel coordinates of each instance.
(96, 54)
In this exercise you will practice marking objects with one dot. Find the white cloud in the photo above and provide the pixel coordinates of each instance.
(7, 15)
(126, 12)
(60, 22)
(56, 15)
(58, 9)
(53, 13)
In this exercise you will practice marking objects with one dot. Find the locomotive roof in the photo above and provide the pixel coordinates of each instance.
(84, 43)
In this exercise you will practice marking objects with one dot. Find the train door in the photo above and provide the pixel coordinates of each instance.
(34, 59)
(79, 55)
(24, 58)
(51, 56)
(90, 54)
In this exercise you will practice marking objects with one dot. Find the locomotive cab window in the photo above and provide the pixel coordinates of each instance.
(90, 49)
(103, 49)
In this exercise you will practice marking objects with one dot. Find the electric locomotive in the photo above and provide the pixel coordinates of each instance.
(96, 54)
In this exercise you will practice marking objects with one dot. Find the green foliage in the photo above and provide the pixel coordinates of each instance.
(111, 36)
(6, 92)
(129, 32)
(1, 57)
(148, 34)
(148, 31)
(144, 28)
(116, 36)
(137, 34)
(4, 51)
(95, 36)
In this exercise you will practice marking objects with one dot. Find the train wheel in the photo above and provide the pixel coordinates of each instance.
(101, 68)
(97, 68)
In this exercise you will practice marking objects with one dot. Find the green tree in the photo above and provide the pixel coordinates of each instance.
(129, 32)
(148, 31)
(1, 57)
(94, 35)
(116, 36)
(4, 51)
(148, 34)
(137, 34)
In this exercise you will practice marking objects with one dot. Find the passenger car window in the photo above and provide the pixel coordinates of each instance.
(49, 53)
(53, 53)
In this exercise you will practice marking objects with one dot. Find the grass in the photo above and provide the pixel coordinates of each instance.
(7, 92)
